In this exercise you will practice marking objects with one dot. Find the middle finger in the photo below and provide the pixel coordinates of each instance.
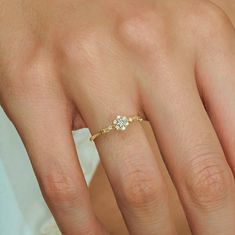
(192, 152)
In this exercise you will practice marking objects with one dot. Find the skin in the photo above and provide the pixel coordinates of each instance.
(73, 64)
(102, 197)
(106, 208)
(228, 6)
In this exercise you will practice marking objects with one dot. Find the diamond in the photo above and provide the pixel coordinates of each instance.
(121, 123)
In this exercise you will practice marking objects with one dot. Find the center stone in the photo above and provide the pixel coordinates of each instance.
(121, 122)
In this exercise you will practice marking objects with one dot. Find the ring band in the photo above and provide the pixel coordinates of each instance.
(120, 123)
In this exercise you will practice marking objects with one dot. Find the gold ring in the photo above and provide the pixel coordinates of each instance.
(120, 123)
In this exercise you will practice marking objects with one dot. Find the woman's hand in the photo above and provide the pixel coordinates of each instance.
(70, 64)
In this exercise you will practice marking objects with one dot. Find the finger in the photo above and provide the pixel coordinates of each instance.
(192, 152)
(54, 160)
(126, 156)
(45, 129)
(132, 171)
(216, 75)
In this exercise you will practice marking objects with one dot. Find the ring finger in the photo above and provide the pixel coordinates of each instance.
(132, 171)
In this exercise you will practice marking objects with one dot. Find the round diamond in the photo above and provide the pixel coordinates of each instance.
(121, 122)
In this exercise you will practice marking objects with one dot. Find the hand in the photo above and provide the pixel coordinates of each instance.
(68, 65)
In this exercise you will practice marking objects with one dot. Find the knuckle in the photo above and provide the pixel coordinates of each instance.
(59, 188)
(212, 20)
(140, 189)
(83, 48)
(208, 180)
(142, 31)
(30, 79)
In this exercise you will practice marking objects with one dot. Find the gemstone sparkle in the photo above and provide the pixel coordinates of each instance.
(121, 123)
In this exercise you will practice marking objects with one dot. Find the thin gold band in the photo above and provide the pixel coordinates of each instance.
(120, 124)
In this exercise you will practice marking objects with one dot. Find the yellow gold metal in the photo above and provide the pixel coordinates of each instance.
(120, 123)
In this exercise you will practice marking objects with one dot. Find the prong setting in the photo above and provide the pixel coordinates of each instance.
(121, 123)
